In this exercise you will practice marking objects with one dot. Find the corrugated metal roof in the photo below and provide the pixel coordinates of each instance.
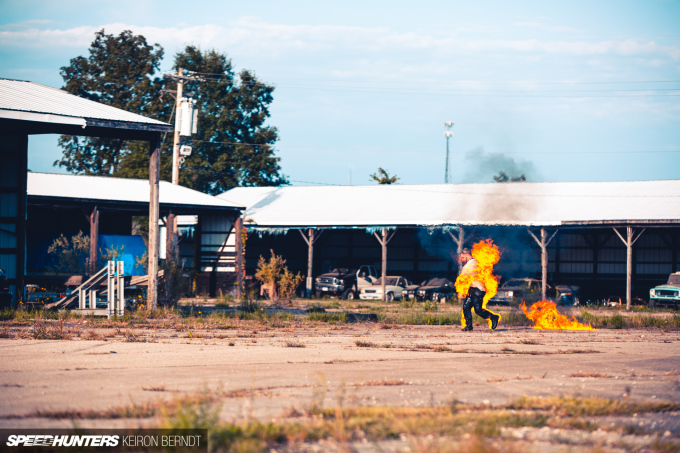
(461, 204)
(34, 102)
(107, 188)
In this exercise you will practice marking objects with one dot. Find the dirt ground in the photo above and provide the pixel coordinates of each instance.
(266, 372)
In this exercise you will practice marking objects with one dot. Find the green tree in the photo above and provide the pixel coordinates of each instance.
(117, 72)
(382, 177)
(503, 177)
(233, 146)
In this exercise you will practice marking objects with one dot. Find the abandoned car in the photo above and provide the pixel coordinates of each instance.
(434, 289)
(345, 282)
(516, 290)
(667, 295)
(394, 286)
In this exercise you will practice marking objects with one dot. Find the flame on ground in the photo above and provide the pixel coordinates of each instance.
(487, 254)
(544, 314)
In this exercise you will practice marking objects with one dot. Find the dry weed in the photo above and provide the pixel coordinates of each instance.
(584, 374)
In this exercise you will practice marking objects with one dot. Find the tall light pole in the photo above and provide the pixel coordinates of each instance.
(448, 134)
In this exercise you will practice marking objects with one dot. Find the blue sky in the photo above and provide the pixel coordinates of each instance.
(559, 91)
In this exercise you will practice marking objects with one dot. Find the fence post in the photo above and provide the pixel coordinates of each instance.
(120, 279)
(109, 289)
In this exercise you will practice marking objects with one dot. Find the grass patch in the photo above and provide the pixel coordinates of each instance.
(636, 321)
(574, 406)
(446, 422)
(331, 318)
(486, 423)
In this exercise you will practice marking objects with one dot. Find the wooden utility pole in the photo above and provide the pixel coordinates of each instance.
(154, 179)
(628, 242)
(238, 264)
(460, 242)
(171, 249)
(94, 239)
(310, 239)
(384, 240)
(543, 244)
(175, 145)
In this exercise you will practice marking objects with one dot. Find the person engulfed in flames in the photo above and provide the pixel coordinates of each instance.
(477, 284)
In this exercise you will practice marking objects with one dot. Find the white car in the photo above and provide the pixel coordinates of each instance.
(393, 288)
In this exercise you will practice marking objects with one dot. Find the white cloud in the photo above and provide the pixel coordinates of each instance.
(548, 27)
(279, 40)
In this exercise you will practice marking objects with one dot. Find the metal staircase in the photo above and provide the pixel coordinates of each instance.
(86, 294)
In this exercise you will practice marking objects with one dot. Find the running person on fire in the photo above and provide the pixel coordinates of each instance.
(477, 284)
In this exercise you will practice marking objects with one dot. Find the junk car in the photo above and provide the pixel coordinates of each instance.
(521, 289)
(618, 301)
(345, 282)
(568, 295)
(435, 289)
(394, 287)
(667, 295)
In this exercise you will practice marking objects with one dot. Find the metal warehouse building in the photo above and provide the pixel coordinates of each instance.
(27, 109)
(598, 235)
(66, 204)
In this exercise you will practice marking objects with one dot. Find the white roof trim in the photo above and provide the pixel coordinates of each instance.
(111, 189)
(35, 99)
(518, 204)
(42, 117)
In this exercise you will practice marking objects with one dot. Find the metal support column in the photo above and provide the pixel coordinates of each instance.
(460, 242)
(111, 288)
(543, 244)
(628, 242)
(93, 298)
(310, 239)
(384, 240)
(120, 287)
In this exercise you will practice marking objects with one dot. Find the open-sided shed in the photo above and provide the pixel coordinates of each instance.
(582, 232)
(27, 109)
(66, 204)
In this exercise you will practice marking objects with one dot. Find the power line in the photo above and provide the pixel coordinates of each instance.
(527, 94)
(474, 93)
(575, 94)
(435, 151)
(457, 82)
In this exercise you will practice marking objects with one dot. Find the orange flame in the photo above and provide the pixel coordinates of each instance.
(544, 314)
(487, 254)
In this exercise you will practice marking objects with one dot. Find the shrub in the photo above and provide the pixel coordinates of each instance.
(176, 284)
(70, 255)
(273, 274)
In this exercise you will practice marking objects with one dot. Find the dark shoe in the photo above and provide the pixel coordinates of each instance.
(495, 319)
(467, 328)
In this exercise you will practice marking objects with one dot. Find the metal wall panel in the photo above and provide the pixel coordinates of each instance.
(218, 246)
(13, 158)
